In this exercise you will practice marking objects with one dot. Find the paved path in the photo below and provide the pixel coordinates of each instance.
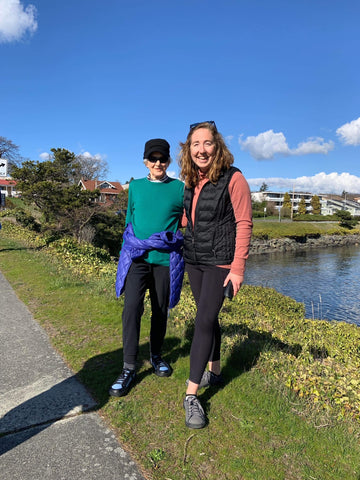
(46, 430)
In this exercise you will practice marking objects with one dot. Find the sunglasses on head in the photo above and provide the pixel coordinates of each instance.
(153, 159)
(210, 122)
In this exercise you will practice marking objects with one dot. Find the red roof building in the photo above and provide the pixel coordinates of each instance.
(108, 190)
(8, 187)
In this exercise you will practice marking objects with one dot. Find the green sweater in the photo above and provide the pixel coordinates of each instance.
(152, 208)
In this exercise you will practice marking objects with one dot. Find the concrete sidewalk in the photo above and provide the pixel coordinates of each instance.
(45, 432)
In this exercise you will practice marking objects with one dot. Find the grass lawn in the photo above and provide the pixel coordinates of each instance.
(259, 428)
(276, 229)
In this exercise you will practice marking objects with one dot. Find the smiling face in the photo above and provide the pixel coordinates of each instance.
(157, 170)
(202, 149)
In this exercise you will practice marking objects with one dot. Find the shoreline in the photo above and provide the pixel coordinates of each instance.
(286, 244)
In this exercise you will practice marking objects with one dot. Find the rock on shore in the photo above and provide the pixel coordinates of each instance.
(300, 243)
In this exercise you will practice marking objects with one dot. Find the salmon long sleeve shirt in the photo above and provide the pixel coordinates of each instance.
(240, 197)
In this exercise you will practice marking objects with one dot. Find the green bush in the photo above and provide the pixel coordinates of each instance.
(346, 220)
(83, 258)
(26, 220)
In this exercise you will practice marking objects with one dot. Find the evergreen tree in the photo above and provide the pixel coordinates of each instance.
(345, 219)
(287, 201)
(49, 185)
(302, 207)
(316, 205)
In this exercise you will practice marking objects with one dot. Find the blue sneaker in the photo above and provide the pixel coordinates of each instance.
(123, 383)
(161, 368)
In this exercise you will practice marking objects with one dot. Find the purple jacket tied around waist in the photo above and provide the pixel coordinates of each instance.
(134, 248)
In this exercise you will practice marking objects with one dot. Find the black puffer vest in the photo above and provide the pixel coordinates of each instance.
(212, 241)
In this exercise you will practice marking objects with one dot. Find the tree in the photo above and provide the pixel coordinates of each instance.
(44, 183)
(108, 228)
(287, 201)
(258, 209)
(10, 152)
(345, 219)
(271, 208)
(263, 187)
(49, 185)
(302, 207)
(122, 200)
(90, 167)
(316, 205)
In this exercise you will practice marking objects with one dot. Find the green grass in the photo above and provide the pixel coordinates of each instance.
(259, 428)
(273, 229)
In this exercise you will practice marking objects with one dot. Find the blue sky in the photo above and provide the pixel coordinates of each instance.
(280, 79)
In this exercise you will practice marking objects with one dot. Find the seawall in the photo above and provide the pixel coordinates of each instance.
(287, 244)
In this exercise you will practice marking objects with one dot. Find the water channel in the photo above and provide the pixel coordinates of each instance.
(326, 280)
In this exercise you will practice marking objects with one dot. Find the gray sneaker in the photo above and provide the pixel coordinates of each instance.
(194, 413)
(209, 379)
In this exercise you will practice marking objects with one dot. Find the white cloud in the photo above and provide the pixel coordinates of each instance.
(97, 157)
(349, 133)
(313, 145)
(320, 183)
(268, 144)
(265, 145)
(15, 20)
(45, 156)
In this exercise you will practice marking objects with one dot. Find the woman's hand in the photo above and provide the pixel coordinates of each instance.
(236, 281)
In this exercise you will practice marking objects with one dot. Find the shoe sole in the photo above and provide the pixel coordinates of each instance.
(119, 393)
(163, 374)
(189, 425)
(159, 373)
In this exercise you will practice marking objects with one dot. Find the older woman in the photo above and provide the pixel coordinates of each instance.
(150, 254)
(217, 205)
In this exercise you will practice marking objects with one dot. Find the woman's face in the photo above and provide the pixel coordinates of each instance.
(157, 169)
(202, 149)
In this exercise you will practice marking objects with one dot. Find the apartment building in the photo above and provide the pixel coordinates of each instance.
(329, 203)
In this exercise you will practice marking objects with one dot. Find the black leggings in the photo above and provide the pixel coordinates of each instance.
(206, 283)
(143, 276)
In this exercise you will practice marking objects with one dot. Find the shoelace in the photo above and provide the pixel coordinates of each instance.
(159, 363)
(162, 365)
(195, 407)
(120, 380)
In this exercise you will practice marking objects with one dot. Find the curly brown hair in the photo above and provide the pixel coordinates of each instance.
(222, 161)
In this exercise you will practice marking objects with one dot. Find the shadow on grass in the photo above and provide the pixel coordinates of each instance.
(12, 249)
(100, 372)
(67, 398)
(245, 354)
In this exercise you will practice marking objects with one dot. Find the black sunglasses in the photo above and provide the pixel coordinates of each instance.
(155, 159)
(210, 122)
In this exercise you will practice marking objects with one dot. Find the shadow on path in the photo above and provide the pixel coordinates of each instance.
(71, 396)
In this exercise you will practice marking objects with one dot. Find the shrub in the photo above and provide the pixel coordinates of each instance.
(346, 220)
(26, 220)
